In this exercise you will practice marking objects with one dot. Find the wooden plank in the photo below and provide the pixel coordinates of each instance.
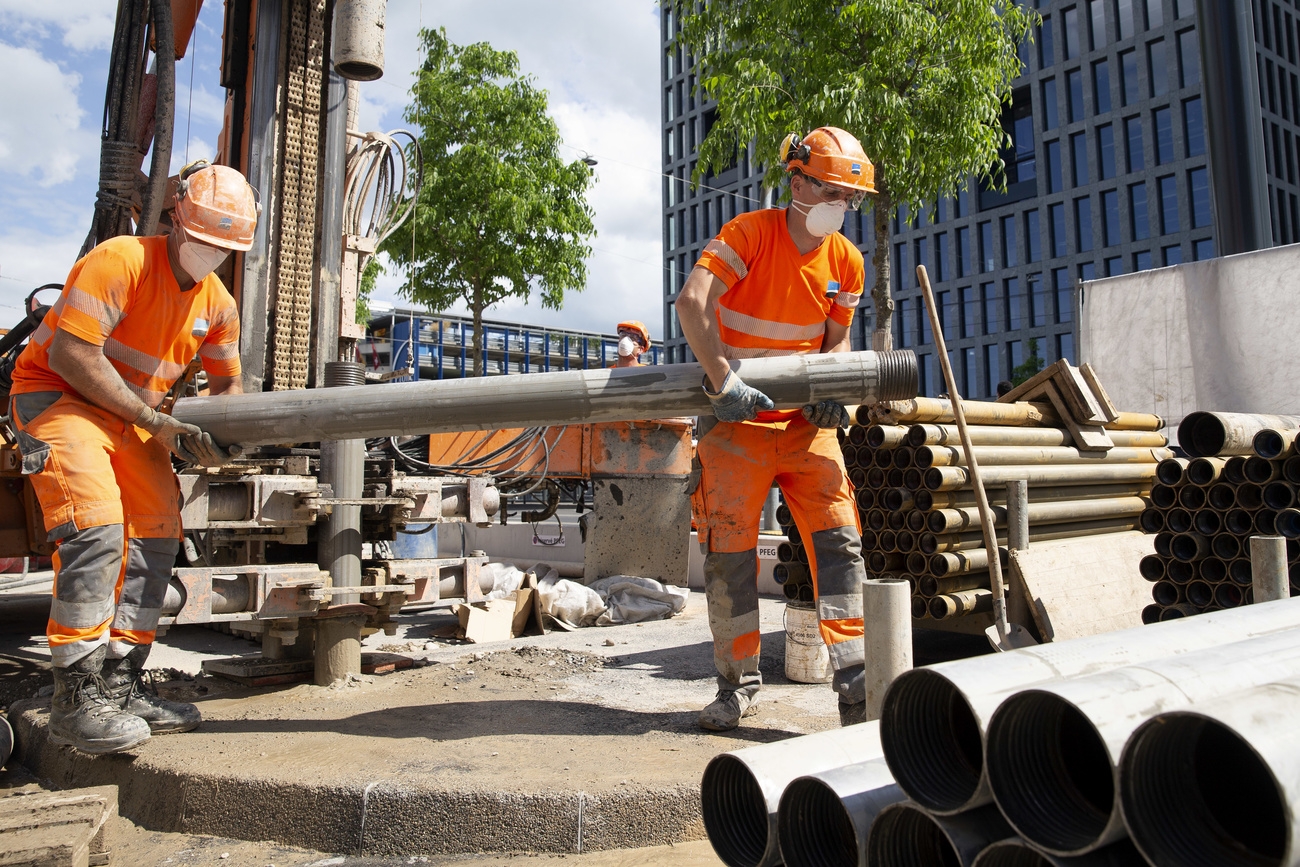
(1087, 437)
(52, 846)
(1085, 586)
(1107, 407)
(1030, 386)
(1079, 394)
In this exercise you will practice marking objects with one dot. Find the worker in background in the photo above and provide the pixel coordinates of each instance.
(779, 282)
(133, 313)
(633, 339)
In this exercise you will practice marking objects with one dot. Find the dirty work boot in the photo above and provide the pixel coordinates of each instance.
(132, 692)
(724, 713)
(852, 713)
(83, 716)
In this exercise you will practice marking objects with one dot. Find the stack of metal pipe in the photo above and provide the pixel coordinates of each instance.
(1169, 745)
(1241, 479)
(917, 507)
(791, 570)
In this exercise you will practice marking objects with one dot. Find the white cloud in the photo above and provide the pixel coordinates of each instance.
(85, 25)
(40, 122)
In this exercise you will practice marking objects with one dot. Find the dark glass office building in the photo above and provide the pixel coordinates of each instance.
(1109, 173)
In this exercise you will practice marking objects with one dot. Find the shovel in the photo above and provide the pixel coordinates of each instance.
(1002, 635)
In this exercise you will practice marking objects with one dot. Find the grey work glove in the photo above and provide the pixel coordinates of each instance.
(175, 435)
(828, 413)
(207, 453)
(736, 401)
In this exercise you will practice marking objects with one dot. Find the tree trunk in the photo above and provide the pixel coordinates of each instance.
(883, 337)
(479, 361)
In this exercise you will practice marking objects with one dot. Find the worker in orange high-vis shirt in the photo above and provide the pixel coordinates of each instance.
(779, 282)
(633, 339)
(132, 315)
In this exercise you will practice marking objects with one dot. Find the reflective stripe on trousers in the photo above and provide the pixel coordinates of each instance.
(739, 463)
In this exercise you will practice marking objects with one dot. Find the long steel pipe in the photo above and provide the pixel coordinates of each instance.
(1270, 443)
(1205, 434)
(932, 543)
(906, 835)
(1002, 435)
(1053, 751)
(825, 817)
(1001, 456)
(931, 409)
(740, 794)
(958, 520)
(533, 399)
(1219, 783)
(955, 478)
(933, 721)
(1015, 852)
(927, 500)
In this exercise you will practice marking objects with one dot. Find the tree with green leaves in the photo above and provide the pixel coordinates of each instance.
(1031, 367)
(499, 212)
(921, 83)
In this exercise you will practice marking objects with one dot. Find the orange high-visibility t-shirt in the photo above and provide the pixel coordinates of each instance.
(123, 296)
(778, 301)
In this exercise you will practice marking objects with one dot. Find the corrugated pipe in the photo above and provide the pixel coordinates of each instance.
(906, 835)
(536, 399)
(1206, 434)
(1217, 784)
(740, 794)
(934, 718)
(824, 818)
(1053, 751)
(1015, 852)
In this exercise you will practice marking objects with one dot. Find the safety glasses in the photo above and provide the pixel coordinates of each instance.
(832, 193)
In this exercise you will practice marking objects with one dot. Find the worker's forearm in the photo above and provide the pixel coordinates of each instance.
(95, 379)
(845, 345)
(701, 333)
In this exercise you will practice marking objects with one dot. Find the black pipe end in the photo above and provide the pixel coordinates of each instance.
(735, 812)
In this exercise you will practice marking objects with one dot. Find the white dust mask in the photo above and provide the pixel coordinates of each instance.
(199, 260)
(626, 346)
(823, 217)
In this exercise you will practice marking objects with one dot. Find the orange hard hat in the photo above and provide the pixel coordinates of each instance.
(637, 328)
(216, 206)
(832, 155)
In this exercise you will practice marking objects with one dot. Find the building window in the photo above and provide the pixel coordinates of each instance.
(1115, 266)
(1083, 224)
(923, 254)
(1155, 13)
(1097, 12)
(986, 246)
(1203, 249)
(1079, 158)
(989, 295)
(941, 256)
(1184, 8)
(1037, 300)
(1064, 294)
(1126, 28)
(1142, 261)
(1015, 356)
(963, 251)
(1056, 216)
(1065, 347)
(1164, 136)
(1009, 242)
(1101, 87)
(959, 204)
(904, 323)
(924, 375)
(901, 279)
(969, 310)
(1106, 152)
(1193, 127)
(1137, 208)
(1087, 271)
(1133, 132)
(1053, 149)
(1172, 255)
(924, 334)
(1128, 75)
(1198, 183)
(1189, 59)
(943, 303)
(1071, 19)
(991, 372)
(1110, 217)
(1046, 56)
(1012, 287)
(1033, 249)
(1049, 103)
(971, 369)
(1159, 69)
(1074, 85)
(1022, 137)
(1168, 205)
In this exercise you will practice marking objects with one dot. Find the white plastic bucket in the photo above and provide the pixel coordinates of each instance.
(806, 658)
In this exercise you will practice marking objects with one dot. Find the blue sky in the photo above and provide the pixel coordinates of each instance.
(598, 60)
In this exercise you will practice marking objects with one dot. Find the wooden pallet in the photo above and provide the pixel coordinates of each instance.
(71, 828)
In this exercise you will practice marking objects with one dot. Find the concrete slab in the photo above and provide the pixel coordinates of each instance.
(561, 743)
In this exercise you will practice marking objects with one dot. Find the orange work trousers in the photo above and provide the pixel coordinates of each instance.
(112, 502)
